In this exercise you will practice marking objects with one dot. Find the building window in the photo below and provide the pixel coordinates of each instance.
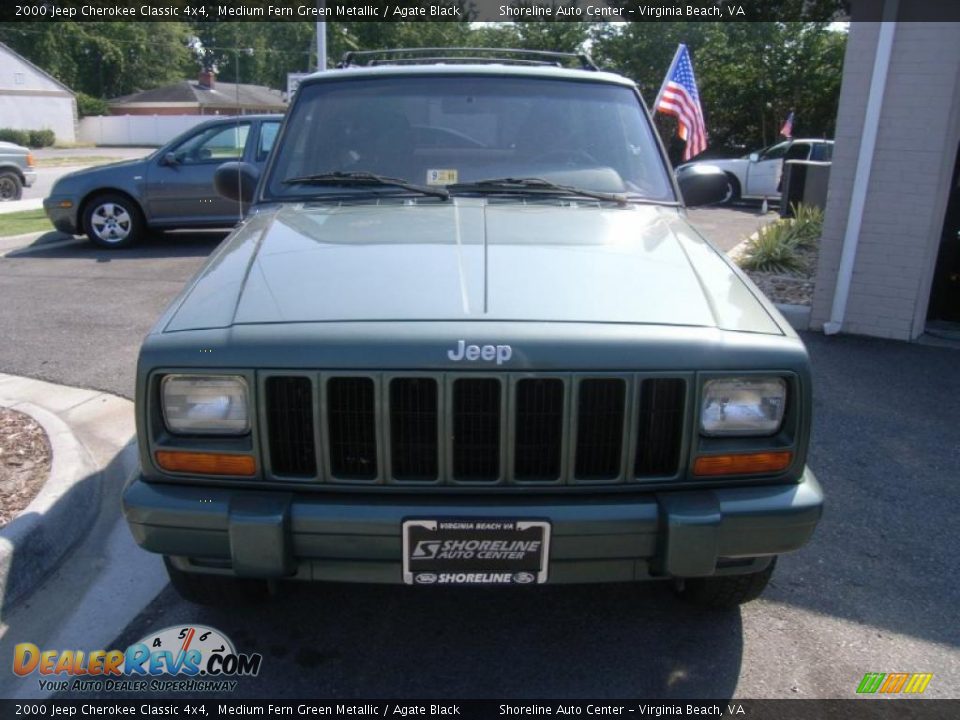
(18, 78)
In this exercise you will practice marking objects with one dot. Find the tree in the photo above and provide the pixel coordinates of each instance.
(105, 59)
(749, 75)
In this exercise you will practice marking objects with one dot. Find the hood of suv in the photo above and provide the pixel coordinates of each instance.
(469, 259)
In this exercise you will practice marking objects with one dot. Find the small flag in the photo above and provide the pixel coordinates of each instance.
(787, 129)
(679, 97)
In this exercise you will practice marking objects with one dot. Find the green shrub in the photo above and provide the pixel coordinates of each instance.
(773, 250)
(88, 105)
(807, 224)
(42, 138)
(20, 137)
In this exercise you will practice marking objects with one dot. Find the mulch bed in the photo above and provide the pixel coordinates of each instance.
(793, 289)
(24, 462)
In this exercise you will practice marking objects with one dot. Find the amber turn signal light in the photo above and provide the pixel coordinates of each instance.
(205, 463)
(742, 464)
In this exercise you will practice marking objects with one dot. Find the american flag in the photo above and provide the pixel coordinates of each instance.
(787, 129)
(680, 98)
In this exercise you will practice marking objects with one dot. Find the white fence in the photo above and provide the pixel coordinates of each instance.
(144, 130)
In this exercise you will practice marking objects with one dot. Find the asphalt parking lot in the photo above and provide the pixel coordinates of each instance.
(874, 592)
(76, 314)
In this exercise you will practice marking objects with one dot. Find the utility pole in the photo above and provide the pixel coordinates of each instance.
(321, 39)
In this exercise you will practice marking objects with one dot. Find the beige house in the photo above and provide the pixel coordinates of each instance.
(31, 99)
(890, 252)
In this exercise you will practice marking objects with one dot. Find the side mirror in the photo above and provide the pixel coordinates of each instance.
(703, 185)
(170, 159)
(236, 181)
(754, 157)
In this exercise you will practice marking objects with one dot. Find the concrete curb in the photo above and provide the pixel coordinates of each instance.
(34, 542)
(86, 578)
(12, 245)
(88, 432)
(12, 206)
(797, 315)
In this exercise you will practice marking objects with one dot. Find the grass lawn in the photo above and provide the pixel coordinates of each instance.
(67, 160)
(20, 223)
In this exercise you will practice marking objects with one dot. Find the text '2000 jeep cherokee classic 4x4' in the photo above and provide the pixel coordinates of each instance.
(466, 335)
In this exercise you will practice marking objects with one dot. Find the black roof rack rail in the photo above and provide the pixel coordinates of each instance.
(469, 55)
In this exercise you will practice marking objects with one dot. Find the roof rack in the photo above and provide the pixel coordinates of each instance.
(468, 55)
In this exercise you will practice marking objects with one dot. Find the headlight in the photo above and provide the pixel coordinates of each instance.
(743, 406)
(208, 404)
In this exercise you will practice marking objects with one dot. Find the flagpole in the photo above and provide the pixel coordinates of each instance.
(666, 79)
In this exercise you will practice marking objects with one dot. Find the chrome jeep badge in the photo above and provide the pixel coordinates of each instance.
(486, 353)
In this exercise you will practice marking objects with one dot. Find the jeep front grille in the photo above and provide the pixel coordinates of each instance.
(414, 429)
(289, 408)
(476, 429)
(660, 427)
(538, 441)
(351, 428)
(600, 428)
(421, 429)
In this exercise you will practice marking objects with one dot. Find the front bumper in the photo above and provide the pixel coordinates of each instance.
(352, 538)
(29, 177)
(64, 219)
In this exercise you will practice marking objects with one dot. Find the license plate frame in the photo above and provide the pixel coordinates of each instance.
(428, 559)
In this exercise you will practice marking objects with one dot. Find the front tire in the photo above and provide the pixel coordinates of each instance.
(733, 190)
(215, 590)
(113, 221)
(10, 187)
(727, 591)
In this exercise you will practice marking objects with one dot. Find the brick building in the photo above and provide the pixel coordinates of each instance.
(890, 251)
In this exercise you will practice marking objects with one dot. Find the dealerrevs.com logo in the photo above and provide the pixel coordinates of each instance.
(180, 658)
(894, 683)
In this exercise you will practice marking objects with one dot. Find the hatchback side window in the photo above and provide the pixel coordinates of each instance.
(216, 145)
(268, 136)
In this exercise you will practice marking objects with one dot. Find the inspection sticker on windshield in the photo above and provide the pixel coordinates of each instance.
(475, 552)
(441, 177)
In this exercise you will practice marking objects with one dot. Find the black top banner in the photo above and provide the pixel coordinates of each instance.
(861, 709)
(476, 10)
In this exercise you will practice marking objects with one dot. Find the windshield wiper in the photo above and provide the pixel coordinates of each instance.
(365, 178)
(510, 184)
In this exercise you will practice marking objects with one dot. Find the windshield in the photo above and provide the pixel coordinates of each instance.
(456, 130)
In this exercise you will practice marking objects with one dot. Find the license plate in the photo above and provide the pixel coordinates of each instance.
(475, 552)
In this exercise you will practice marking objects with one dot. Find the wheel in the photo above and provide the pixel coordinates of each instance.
(727, 591)
(733, 190)
(215, 589)
(10, 186)
(113, 221)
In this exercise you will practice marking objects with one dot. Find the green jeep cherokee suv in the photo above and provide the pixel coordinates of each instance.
(466, 335)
